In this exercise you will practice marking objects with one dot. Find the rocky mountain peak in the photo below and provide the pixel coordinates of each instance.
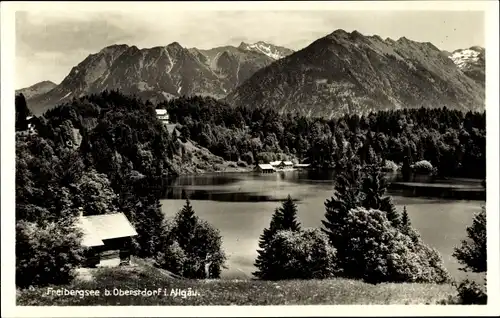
(157, 73)
(352, 73)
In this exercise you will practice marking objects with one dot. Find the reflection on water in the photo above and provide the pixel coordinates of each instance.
(210, 195)
(242, 187)
(256, 187)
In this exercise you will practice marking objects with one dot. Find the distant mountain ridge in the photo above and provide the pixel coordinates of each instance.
(158, 73)
(352, 73)
(336, 74)
(36, 89)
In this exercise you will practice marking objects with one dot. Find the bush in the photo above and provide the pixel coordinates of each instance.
(192, 246)
(470, 292)
(423, 166)
(390, 166)
(300, 255)
(472, 252)
(378, 252)
(232, 165)
(242, 164)
(47, 254)
(173, 258)
(370, 241)
(265, 157)
(95, 194)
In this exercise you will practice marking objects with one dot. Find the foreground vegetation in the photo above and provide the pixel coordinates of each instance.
(236, 292)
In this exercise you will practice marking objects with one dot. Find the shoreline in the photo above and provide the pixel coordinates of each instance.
(228, 170)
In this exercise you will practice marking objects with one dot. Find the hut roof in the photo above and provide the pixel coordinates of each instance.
(97, 228)
(265, 166)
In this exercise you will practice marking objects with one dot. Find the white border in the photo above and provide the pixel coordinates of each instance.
(8, 177)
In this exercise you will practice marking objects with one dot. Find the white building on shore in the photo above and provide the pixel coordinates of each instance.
(163, 116)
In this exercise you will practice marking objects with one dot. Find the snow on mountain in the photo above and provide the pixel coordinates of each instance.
(353, 73)
(462, 57)
(158, 72)
(273, 51)
(472, 62)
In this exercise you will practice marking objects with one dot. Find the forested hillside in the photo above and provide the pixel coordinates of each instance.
(102, 153)
(452, 141)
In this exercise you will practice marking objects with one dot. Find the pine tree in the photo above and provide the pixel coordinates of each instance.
(391, 213)
(405, 223)
(284, 218)
(186, 221)
(288, 211)
(374, 187)
(274, 226)
(405, 220)
(347, 197)
(148, 220)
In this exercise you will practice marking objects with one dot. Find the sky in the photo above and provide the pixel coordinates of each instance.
(50, 43)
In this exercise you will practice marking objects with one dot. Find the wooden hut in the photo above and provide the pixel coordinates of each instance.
(265, 168)
(285, 165)
(275, 163)
(163, 116)
(107, 238)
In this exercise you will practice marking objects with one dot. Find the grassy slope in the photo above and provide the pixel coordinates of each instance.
(194, 159)
(232, 292)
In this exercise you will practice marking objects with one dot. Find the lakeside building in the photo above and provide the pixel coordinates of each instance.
(108, 239)
(31, 126)
(265, 168)
(280, 165)
(30, 129)
(275, 163)
(301, 165)
(163, 116)
(285, 165)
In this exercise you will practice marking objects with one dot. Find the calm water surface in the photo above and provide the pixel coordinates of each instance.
(240, 205)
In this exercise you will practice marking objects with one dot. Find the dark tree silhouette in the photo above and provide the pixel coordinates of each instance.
(22, 112)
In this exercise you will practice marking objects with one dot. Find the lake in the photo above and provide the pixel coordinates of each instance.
(240, 205)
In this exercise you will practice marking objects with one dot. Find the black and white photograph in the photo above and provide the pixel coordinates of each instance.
(198, 155)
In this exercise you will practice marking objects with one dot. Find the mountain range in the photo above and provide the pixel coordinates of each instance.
(339, 73)
(352, 73)
(161, 73)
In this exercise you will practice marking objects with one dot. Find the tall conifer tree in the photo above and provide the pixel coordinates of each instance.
(284, 218)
